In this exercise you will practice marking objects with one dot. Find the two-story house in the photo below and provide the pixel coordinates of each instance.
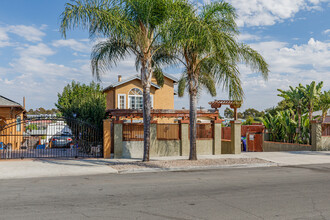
(127, 93)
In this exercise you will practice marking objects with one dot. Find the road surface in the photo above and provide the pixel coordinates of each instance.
(300, 192)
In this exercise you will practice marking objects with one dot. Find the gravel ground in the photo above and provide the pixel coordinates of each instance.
(184, 163)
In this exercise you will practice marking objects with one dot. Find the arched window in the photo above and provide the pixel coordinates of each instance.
(135, 99)
(135, 91)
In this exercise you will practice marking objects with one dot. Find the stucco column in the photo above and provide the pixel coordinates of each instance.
(217, 137)
(107, 138)
(185, 148)
(316, 133)
(235, 137)
(153, 139)
(118, 139)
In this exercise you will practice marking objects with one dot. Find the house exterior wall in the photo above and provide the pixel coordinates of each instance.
(10, 133)
(163, 98)
(110, 99)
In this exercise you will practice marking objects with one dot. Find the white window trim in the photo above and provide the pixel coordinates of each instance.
(129, 103)
(118, 100)
(19, 124)
(151, 98)
(152, 101)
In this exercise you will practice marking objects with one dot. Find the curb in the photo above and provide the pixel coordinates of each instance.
(196, 168)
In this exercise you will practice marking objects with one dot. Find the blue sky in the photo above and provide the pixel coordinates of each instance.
(37, 62)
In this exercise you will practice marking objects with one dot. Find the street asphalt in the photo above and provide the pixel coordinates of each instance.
(34, 168)
(285, 192)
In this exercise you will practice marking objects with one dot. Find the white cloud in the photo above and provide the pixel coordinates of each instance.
(39, 50)
(4, 39)
(289, 65)
(82, 46)
(29, 33)
(326, 31)
(269, 12)
(248, 37)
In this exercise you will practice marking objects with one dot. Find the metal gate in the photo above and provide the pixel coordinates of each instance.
(50, 137)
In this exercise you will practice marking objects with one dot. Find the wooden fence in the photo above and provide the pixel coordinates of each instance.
(204, 131)
(133, 132)
(168, 131)
(326, 129)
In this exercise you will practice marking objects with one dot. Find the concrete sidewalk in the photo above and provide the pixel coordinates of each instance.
(32, 168)
(293, 157)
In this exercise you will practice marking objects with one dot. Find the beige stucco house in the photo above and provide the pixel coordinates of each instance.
(127, 93)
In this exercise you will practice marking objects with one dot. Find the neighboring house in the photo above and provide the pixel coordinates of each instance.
(11, 128)
(128, 93)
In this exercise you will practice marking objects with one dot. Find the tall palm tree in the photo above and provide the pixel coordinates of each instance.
(210, 53)
(131, 27)
(324, 103)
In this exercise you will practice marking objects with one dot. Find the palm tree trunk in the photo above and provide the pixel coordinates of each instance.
(146, 122)
(146, 84)
(193, 126)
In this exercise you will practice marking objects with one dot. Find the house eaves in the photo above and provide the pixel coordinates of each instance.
(171, 77)
(5, 102)
(126, 81)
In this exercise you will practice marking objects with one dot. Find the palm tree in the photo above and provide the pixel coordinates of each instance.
(131, 27)
(312, 94)
(295, 96)
(324, 103)
(210, 54)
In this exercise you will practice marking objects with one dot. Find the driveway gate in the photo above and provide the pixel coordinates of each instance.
(50, 137)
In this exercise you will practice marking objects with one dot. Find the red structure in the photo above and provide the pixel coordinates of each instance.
(233, 104)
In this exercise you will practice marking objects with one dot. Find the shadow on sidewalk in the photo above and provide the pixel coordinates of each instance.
(96, 162)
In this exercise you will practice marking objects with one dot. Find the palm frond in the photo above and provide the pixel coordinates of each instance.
(108, 53)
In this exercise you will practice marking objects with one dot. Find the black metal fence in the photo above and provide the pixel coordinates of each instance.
(50, 137)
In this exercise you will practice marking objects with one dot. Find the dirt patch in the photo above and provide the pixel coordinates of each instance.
(184, 163)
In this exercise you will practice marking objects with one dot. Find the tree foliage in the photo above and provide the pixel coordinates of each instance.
(290, 120)
(229, 113)
(84, 102)
(282, 127)
(131, 27)
(254, 113)
(42, 111)
(210, 53)
(324, 103)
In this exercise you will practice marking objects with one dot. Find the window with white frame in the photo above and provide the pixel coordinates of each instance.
(121, 101)
(135, 99)
(18, 123)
